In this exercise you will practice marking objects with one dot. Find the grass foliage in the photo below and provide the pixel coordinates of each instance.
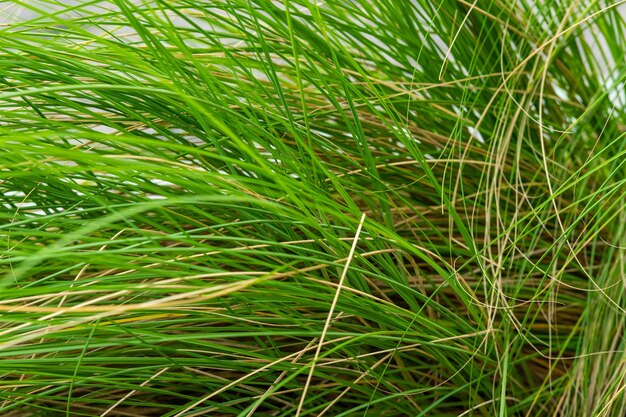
(313, 208)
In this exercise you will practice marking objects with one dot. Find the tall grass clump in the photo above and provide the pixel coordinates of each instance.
(313, 208)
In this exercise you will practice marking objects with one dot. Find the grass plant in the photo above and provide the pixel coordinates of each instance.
(313, 208)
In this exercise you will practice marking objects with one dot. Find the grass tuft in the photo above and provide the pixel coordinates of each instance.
(307, 208)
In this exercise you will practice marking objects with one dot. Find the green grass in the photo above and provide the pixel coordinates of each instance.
(313, 208)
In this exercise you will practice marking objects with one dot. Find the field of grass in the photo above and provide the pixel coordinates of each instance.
(336, 208)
